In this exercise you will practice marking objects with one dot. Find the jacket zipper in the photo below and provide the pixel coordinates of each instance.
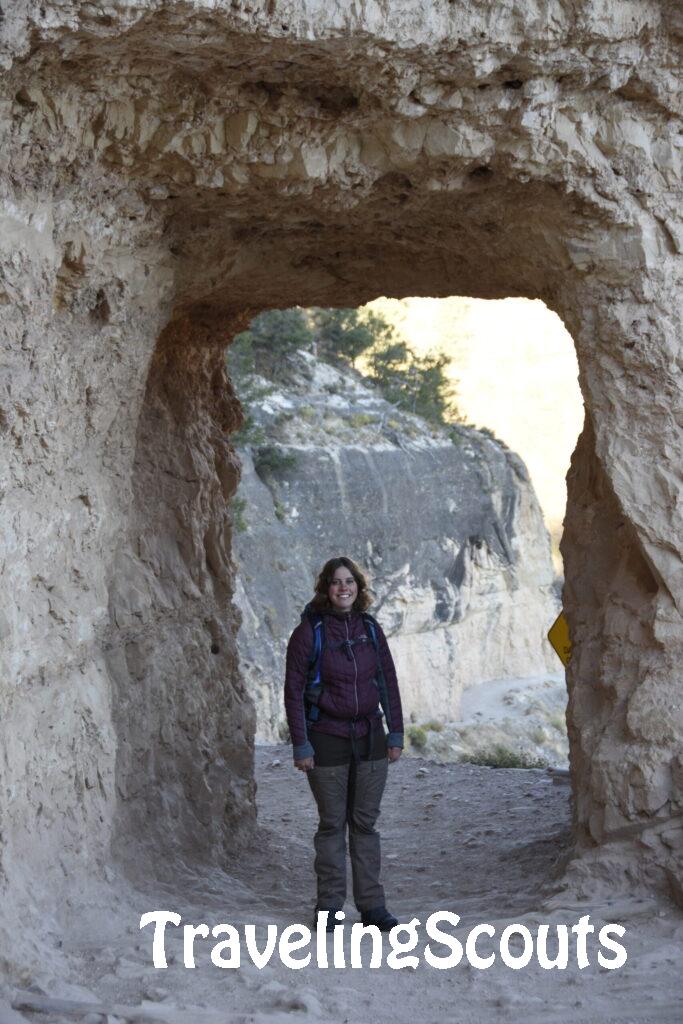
(355, 667)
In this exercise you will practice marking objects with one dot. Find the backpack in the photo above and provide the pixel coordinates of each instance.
(314, 683)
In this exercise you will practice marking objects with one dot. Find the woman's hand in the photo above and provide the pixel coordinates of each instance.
(394, 753)
(304, 764)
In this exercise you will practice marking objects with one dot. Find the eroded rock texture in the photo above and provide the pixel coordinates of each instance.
(167, 166)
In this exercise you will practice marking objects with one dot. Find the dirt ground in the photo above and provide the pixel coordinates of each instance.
(483, 843)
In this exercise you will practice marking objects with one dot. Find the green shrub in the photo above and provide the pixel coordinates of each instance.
(417, 384)
(237, 507)
(266, 345)
(341, 335)
(279, 509)
(487, 432)
(361, 419)
(433, 726)
(271, 457)
(417, 736)
(250, 433)
(500, 756)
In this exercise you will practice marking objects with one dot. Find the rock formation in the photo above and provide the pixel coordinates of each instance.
(451, 533)
(167, 168)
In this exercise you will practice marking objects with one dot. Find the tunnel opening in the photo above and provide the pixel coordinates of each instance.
(192, 351)
(462, 574)
(204, 808)
(467, 597)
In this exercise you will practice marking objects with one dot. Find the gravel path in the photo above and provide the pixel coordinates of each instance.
(485, 844)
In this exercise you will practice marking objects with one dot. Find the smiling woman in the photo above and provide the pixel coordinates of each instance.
(339, 671)
(343, 589)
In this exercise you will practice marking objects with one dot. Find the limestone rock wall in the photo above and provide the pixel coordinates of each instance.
(169, 643)
(167, 163)
(73, 384)
(450, 532)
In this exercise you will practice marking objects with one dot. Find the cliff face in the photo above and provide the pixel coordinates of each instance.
(532, 402)
(450, 531)
(166, 168)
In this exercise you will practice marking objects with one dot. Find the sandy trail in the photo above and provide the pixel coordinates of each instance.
(482, 843)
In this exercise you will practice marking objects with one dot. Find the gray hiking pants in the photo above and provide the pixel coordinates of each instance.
(348, 795)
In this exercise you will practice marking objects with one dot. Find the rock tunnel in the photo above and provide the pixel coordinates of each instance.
(169, 170)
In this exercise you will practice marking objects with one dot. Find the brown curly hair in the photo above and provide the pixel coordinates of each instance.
(321, 602)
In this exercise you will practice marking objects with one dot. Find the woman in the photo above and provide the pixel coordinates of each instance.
(339, 669)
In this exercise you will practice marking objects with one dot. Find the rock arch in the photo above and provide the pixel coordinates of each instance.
(170, 169)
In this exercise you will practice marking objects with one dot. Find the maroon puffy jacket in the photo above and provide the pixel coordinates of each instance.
(350, 698)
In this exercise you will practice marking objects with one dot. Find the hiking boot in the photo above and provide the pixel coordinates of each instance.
(331, 921)
(380, 917)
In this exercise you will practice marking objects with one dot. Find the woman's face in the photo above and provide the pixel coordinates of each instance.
(343, 589)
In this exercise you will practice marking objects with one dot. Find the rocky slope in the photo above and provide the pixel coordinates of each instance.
(450, 531)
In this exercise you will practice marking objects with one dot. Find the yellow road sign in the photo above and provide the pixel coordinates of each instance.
(558, 634)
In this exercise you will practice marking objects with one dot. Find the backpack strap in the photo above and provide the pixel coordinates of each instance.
(316, 651)
(314, 683)
(372, 631)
